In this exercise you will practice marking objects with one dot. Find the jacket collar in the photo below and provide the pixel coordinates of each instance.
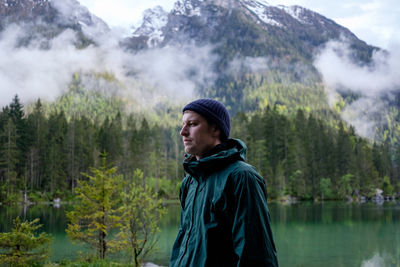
(230, 151)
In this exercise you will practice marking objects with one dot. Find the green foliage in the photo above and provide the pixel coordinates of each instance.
(89, 96)
(387, 187)
(345, 188)
(113, 215)
(88, 263)
(305, 157)
(164, 187)
(9, 154)
(98, 211)
(297, 186)
(22, 247)
(325, 187)
(141, 211)
(293, 149)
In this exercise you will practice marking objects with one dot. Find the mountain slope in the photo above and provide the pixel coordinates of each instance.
(47, 19)
(276, 31)
(260, 54)
(286, 39)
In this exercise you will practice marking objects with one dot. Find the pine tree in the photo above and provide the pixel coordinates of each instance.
(343, 151)
(9, 155)
(36, 156)
(98, 211)
(17, 115)
(22, 247)
(56, 165)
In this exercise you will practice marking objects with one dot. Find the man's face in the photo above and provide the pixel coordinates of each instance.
(197, 134)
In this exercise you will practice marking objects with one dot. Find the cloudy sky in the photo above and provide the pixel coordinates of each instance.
(375, 21)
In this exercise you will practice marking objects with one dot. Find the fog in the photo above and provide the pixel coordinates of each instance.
(373, 83)
(376, 261)
(166, 74)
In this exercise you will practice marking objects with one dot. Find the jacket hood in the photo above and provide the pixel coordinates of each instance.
(234, 150)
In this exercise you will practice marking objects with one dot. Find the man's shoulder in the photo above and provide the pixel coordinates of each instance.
(240, 170)
(242, 167)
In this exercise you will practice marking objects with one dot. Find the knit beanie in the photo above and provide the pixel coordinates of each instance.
(214, 112)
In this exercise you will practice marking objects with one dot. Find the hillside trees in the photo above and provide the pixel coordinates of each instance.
(293, 152)
(9, 155)
(37, 123)
(304, 157)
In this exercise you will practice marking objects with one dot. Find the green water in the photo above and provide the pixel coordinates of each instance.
(306, 234)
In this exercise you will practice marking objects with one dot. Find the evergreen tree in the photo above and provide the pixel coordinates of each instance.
(22, 247)
(17, 115)
(325, 188)
(343, 151)
(37, 122)
(98, 211)
(55, 170)
(9, 155)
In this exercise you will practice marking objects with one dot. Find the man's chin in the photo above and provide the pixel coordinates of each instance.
(189, 150)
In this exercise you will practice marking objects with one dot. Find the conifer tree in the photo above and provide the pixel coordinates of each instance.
(17, 115)
(36, 156)
(98, 211)
(55, 171)
(9, 155)
(22, 246)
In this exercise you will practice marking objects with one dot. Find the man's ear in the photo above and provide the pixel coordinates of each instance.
(215, 131)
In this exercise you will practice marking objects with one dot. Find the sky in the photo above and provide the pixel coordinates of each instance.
(375, 21)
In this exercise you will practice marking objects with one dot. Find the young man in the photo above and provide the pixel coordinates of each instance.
(224, 215)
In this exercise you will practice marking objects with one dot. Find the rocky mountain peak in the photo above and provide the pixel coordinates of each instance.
(17, 10)
(48, 18)
(187, 7)
(71, 12)
(153, 22)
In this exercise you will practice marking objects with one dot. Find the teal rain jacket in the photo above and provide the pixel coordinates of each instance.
(224, 214)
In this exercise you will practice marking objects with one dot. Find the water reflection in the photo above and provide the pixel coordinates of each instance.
(306, 234)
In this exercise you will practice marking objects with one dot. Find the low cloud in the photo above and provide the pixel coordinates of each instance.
(372, 83)
(376, 261)
(249, 64)
(164, 74)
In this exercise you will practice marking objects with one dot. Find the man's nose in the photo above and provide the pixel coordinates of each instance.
(183, 131)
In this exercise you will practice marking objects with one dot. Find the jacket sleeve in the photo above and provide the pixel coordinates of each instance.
(252, 238)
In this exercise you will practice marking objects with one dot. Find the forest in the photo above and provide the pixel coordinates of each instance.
(43, 154)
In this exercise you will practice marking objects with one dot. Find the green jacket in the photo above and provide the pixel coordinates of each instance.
(224, 214)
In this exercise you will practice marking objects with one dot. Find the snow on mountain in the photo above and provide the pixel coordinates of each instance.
(46, 19)
(297, 13)
(16, 10)
(72, 12)
(153, 21)
(260, 8)
(187, 7)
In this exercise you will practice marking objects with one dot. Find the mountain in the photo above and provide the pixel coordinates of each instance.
(261, 55)
(286, 38)
(250, 27)
(45, 18)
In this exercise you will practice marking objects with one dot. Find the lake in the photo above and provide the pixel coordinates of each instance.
(306, 234)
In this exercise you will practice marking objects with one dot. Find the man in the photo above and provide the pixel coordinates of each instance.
(224, 215)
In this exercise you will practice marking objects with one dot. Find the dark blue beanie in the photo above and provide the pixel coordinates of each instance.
(214, 112)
